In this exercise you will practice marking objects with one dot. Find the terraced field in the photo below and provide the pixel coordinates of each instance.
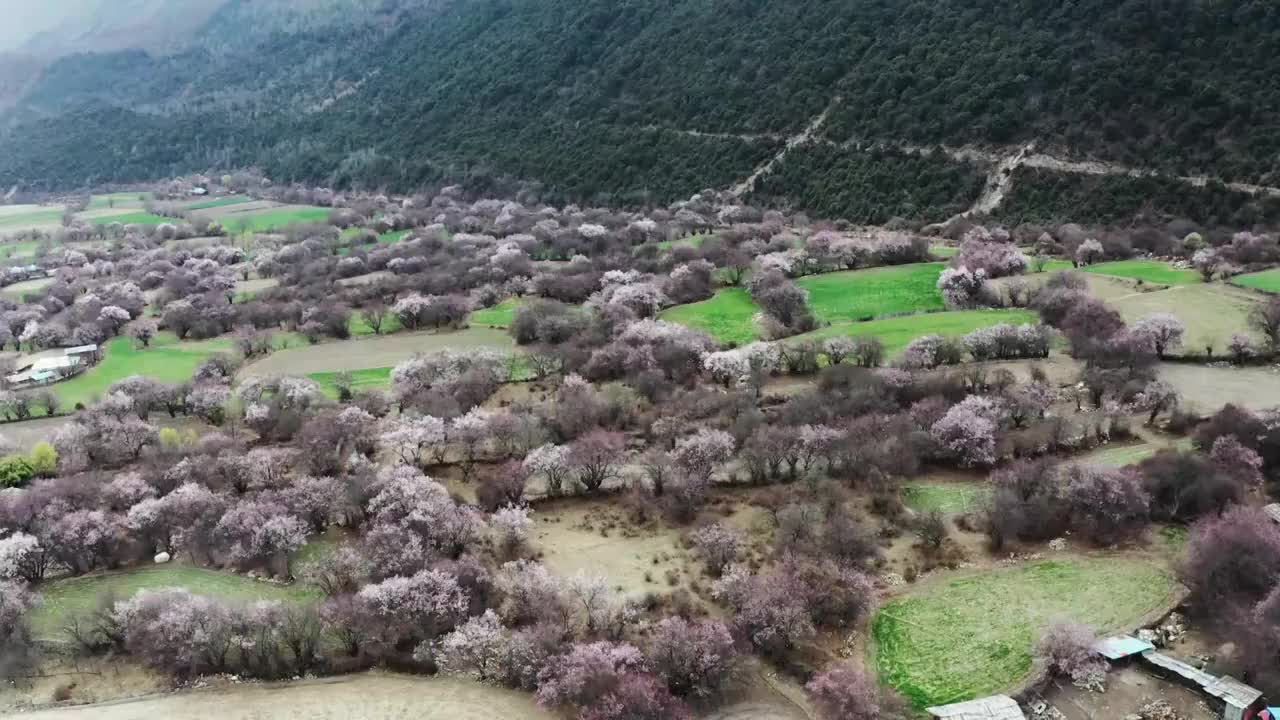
(61, 599)
(729, 316)
(966, 635)
(372, 353)
(167, 360)
(1266, 281)
(859, 295)
(896, 333)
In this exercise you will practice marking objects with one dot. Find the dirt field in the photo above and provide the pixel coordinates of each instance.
(1128, 688)
(595, 538)
(373, 352)
(1209, 387)
(380, 696)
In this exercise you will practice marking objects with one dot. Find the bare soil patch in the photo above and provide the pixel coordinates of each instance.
(1128, 689)
(374, 695)
(595, 537)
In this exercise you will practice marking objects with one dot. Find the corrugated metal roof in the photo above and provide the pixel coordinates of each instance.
(996, 707)
(1123, 646)
(61, 362)
(1273, 510)
(80, 349)
(1233, 691)
(1174, 665)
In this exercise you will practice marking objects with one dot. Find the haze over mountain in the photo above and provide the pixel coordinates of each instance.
(649, 100)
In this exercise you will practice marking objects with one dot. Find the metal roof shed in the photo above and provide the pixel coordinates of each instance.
(996, 707)
(1121, 647)
(1273, 511)
(1238, 697)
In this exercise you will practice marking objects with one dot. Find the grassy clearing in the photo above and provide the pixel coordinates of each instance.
(947, 498)
(367, 379)
(118, 200)
(360, 328)
(247, 290)
(275, 219)
(896, 333)
(691, 241)
(1132, 454)
(1151, 271)
(729, 316)
(966, 637)
(500, 315)
(137, 218)
(943, 251)
(1212, 313)
(19, 250)
(374, 352)
(36, 217)
(18, 289)
(220, 202)
(859, 295)
(1266, 281)
(1206, 388)
(167, 360)
(62, 599)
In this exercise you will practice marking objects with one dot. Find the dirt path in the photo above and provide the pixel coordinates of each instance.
(374, 696)
(807, 135)
(379, 696)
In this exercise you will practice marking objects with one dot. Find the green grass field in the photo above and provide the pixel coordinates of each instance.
(729, 316)
(220, 202)
(167, 360)
(500, 315)
(275, 219)
(1266, 281)
(691, 241)
(1150, 271)
(19, 250)
(859, 295)
(31, 218)
(138, 218)
(1132, 454)
(943, 251)
(118, 200)
(956, 639)
(369, 379)
(944, 497)
(897, 332)
(63, 599)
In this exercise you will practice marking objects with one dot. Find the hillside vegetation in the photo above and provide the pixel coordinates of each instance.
(598, 100)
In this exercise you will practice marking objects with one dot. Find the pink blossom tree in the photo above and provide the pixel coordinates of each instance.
(259, 531)
(1163, 330)
(843, 693)
(1240, 462)
(719, 545)
(700, 454)
(1107, 505)
(416, 608)
(22, 557)
(694, 659)
(1232, 562)
(969, 430)
(1067, 649)
(597, 457)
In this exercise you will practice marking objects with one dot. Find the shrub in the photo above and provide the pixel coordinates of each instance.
(15, 470)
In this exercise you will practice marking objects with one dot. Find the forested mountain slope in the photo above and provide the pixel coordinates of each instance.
(599, 97)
